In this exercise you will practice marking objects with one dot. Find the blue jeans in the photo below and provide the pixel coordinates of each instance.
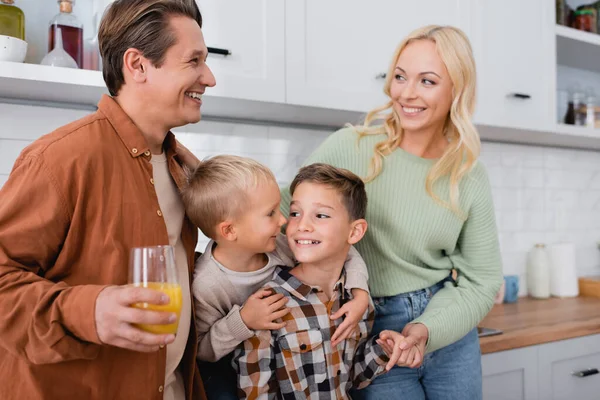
(220, 379)
(450, 373)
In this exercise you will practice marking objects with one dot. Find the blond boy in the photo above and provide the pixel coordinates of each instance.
(235, 202)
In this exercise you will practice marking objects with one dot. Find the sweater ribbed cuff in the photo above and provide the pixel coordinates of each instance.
(236, 325)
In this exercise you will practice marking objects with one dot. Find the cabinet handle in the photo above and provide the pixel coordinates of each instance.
(383, 75)
(586, 372)
(523, 96)
(215, 50)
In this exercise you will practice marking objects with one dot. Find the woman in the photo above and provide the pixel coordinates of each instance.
(430, 213)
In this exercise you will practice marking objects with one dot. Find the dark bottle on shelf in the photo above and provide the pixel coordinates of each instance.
(72, 31)
(570, 115)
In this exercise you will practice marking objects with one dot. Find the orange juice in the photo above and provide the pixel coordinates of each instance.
(174, 292)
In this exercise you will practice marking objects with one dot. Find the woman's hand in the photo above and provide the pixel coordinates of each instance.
(409, 351)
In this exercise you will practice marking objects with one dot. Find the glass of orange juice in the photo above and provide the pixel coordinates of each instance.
(154, 268)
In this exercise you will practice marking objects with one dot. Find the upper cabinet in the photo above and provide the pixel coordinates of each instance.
(338, 51)
(252, 32)
(513, 44)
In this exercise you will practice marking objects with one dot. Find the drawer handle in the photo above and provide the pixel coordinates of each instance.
(523, 96)
(586, 372)
(382, 75)
(216, 50)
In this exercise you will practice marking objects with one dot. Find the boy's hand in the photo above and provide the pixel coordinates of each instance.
(262, 308)
(354, 311)
(405, 350)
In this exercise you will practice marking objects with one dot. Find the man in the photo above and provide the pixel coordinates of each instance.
(80, 198)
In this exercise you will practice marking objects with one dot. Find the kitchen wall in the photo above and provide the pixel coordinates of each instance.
(541, 194)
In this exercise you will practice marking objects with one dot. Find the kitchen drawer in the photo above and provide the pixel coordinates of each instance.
(510, 374)
(559, 360)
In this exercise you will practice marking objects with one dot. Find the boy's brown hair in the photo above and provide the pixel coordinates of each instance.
(346, 183)
(139, 24)
(218, 189)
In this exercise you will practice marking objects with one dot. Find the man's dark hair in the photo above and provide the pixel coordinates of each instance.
(143, 25)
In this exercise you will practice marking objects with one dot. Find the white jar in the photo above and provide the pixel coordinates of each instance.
(538, 273)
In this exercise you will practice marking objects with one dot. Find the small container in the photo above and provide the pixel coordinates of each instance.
(584, 20)
(538, 273)
(590, 119)
(12, 20)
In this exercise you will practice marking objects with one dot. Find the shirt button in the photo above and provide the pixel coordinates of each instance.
(302, 347)
(161, 388)
(152, 181)
(147, 153)
(339, 372)
(159, 213)
(134, 150)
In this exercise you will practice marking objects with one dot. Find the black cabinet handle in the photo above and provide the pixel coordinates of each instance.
(523, 96)
(586, 372)
(216, 50)
(382, 75)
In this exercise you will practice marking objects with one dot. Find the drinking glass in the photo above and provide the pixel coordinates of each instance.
(154, 268)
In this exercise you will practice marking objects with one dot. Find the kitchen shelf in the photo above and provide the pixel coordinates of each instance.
(577, 137)
(577, 49)
(41, 83)
(73, 88)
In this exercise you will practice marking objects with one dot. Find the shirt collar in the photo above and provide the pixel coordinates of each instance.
(289, 282)
(129, 133)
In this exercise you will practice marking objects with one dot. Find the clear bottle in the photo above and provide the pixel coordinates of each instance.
(72, 31)
(590, 107)
(538, 272)
(12, 20)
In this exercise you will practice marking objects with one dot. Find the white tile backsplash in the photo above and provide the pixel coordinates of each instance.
(541, 194)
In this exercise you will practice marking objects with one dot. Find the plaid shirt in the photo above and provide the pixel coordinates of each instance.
(298, 361)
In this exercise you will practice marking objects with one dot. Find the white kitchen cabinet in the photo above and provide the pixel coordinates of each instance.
(560, 361)
(514, 45)
(511, 375)
(544, 372)
(253, 31)
(337, 50)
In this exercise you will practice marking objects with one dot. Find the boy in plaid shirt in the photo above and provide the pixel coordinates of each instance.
(299, 360)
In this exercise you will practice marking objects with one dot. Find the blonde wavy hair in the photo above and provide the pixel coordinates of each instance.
(464, 144)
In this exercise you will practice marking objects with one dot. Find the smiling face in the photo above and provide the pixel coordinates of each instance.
(319, 228)
(261, 220)
(174, 90)
(421, 88)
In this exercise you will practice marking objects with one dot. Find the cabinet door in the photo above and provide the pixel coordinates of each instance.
(337, 50)
(510, 375)
(559, 363)
(515, 58)
(253, 31)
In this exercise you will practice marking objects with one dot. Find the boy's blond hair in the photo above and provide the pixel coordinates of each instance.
(218, 188)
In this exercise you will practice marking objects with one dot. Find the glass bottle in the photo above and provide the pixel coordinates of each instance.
(72, 31)
(590, 116)
(12, 20)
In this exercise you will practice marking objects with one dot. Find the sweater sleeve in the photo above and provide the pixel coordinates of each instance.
(219, 331)
(43, 322)
(457, 308)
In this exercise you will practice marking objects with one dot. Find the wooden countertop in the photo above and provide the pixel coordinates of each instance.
(529, 322)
